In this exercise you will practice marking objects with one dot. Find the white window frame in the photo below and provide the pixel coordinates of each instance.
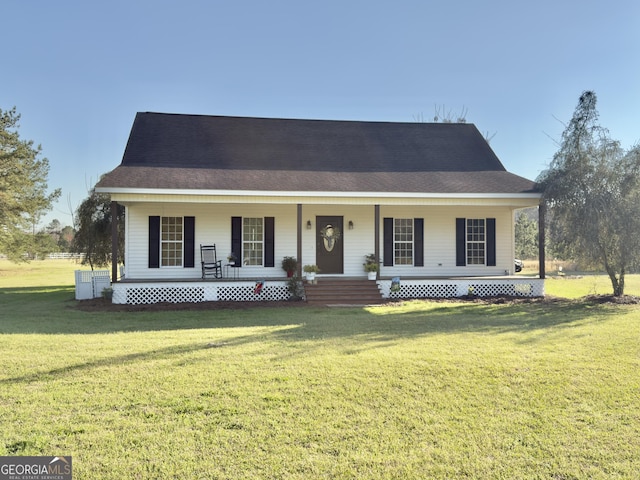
(476, 241)
(253, 241)
(403, 241)
(171, 242)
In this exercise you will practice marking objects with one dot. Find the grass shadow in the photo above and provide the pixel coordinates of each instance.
(103, 362)
(53, 310)
(385, 324)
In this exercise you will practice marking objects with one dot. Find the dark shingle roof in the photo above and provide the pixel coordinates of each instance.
(167, 151)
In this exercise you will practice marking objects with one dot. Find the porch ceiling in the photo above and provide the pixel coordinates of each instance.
(133, 196)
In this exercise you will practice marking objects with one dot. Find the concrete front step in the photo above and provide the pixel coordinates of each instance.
(330, 291)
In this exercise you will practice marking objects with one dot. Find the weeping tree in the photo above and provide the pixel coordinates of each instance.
(592, 188)
(93, 235)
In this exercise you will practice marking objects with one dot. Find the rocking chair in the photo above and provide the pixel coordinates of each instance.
(211, 266)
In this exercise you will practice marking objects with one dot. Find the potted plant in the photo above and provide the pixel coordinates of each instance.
(371, 266)
(311, 271)
(289, 265)
(231, 258)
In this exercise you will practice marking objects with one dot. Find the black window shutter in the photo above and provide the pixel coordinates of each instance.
(387, 250)
(418, 242)
(491, 242)
(189, 242)
(269, 241)
(154, 242)
(461, 241)
(236, 239)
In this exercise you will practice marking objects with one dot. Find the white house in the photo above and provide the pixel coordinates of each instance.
(432, 202)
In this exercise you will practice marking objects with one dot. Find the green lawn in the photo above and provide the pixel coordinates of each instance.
(415, 390)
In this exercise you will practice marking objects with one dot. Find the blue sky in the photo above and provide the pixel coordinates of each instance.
(79, 71)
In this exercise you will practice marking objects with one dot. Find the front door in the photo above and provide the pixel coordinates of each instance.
(329, 244)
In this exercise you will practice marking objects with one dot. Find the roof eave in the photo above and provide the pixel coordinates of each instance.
(292, 193)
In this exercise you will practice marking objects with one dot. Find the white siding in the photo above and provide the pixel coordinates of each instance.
(213, 225)
(440, 240)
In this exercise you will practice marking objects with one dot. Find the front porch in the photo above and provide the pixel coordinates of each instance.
(135, 292)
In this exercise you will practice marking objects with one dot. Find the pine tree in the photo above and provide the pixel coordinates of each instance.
(23, 188)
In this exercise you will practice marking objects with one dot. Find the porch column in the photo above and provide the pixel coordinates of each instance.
(114, 242)
(299, 241)
(541, 239)
(376, 240)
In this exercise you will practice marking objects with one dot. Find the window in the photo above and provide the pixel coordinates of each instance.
(476, 241)
(403, 241)
(171, 241)
(252, 241)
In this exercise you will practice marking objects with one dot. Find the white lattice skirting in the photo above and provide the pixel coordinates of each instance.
(145, 293)
(448, 288)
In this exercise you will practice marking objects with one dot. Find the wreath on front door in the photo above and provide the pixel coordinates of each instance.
(330, 236)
